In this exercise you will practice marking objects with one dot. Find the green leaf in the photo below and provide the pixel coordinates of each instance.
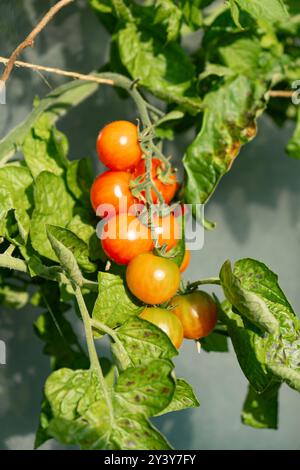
(57, 103)
(192, 14)
(249, 296)
(80, 179)
(45, 148)
(65, 257)
(143, 342)
(229, 121)
(61, 343)
(169, 74)
(183, 398)
(115, 304)
(250, 348)
(214, 342)
(16, 193)
(77, 246)
(78, 413)
(53, 206)
(272, 11)
(168, 13)
(293, 147)
(289, 375)
(13, 296)
(261, 409)
(148, 388)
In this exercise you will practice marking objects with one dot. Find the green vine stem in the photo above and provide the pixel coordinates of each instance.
(102, 327)
(94, 361)
(202, 282)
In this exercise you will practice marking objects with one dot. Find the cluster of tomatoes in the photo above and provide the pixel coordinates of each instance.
(128, 240)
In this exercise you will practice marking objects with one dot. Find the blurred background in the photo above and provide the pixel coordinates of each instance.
(256, 207)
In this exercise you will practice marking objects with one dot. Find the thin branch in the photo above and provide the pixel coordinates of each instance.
(64, 73)
(29, 40)
(202, 282)
(281, 93)
(7, 261)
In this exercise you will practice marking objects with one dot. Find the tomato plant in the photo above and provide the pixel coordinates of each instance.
(166, 321)
(197, 312)
(245, 64)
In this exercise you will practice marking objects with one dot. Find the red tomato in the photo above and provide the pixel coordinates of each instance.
(112, 187)
(152, 279)
(118, 147)
(197, 312)
(167, 188)
(186, 260)
(166, 321)
(126, 238)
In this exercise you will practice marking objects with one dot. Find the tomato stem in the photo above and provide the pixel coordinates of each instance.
(106, 329)
(94, 361)
(7, 261)
(201, 282)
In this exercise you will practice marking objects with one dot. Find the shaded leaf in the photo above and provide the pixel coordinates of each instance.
(261, 409)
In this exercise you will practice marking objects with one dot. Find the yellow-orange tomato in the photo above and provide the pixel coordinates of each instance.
(152, 279)
(186, 260)
(166, 321)
(112, 187)
(126, 237)
(167, 230)
(118, 147)
(197, 312)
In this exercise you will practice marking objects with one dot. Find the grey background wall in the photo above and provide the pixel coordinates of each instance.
(258, 213)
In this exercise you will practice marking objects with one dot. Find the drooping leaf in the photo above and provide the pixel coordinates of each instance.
(53, 206)
(261, 409)
(65, 257)
(77, 246)
(183, 398)
(229, 121)
(115, 304)
(168, 14)
(249, 297)
(45, 148)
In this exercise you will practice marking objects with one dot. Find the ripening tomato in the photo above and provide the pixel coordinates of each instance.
(166, 185)
(124, 237)
(197, 312)
(186, 260)
(112, 187)
(152, 279)
(167, 230)
(118, 147)
(166, 321)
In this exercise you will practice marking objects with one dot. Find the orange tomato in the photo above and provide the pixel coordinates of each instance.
(118, 147)
(152, 279)
(112, 187)
(126, 237)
